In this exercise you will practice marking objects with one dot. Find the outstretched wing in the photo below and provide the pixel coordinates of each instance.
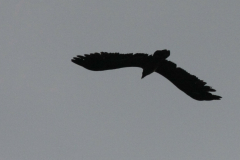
(106, 61)
(186, 82)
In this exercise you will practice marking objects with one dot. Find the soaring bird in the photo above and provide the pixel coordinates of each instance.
(189, 84)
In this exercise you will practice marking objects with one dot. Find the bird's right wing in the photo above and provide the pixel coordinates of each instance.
(106, 61)
(186, 82)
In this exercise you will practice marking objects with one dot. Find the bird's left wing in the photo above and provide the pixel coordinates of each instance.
(186, 82)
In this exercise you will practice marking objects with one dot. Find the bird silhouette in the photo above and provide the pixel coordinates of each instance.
(189, 84)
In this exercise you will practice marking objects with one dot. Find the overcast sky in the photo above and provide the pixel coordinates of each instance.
(53, 109)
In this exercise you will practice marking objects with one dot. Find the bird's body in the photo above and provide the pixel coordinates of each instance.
(157, 62)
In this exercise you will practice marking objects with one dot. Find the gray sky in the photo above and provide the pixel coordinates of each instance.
(52, 109)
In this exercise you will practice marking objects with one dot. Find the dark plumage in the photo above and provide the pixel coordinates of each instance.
(157, 62)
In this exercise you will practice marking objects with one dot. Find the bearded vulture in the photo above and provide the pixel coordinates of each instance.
(189, 84)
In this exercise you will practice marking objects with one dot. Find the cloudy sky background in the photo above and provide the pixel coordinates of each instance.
(51, 108)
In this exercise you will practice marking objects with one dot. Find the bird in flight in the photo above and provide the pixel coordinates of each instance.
(189, 84)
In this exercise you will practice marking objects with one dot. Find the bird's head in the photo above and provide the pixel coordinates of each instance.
(163, 54)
